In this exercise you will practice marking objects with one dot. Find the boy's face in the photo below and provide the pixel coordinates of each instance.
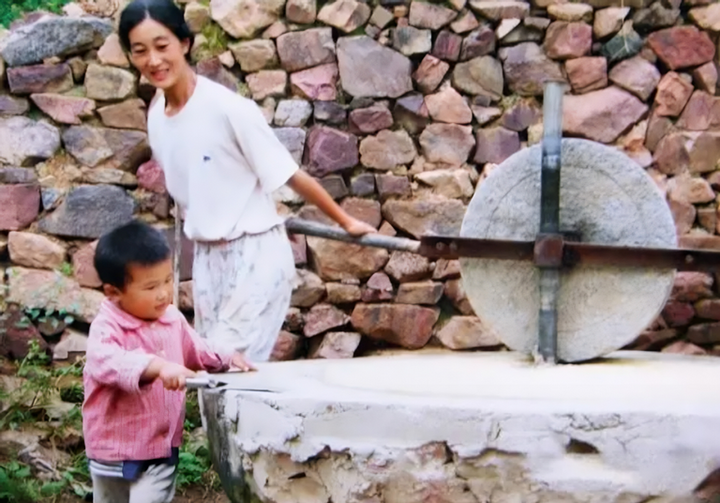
(148, 291)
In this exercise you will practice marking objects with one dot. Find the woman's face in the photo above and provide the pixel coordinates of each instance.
(157, 53)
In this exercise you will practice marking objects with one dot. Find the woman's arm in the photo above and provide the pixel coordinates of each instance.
(310, 190)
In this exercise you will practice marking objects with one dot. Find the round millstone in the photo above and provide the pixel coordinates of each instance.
(605, 198)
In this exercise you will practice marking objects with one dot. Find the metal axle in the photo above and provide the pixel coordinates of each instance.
(550, 218)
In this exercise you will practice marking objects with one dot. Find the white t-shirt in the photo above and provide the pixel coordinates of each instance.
(221, 162)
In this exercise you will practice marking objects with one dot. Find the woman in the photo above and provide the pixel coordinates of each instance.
(222, 162)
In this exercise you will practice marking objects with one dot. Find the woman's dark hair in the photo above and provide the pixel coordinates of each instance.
(164, 12)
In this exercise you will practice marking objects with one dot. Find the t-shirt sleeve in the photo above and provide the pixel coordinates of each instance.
(267, 156)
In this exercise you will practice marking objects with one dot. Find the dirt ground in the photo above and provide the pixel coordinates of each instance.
(198, 496)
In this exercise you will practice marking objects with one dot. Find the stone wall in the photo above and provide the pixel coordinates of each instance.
(399, 107)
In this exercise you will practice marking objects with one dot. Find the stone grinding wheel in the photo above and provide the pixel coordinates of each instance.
(606, 198)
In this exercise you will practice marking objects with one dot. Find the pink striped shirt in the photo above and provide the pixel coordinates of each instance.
(123, 420)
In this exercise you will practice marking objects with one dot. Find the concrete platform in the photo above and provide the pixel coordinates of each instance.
(468, 428)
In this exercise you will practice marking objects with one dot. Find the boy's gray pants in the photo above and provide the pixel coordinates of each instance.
(156, 485)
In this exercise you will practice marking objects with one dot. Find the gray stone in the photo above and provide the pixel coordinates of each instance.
(50, 197)
(527, 68)
(409, 40)
(387, 150)
(363, 184)
(245, 18)
(292, 113)
(305, 49)
(480, 76)
(254, 55)
(329, 111)
(24, 141)
(625, 44)
(113, 148)
(40, 79)
(368, 69)
(411, 113)
(89, 211)
(479, 42)
(600, 309)
(335, 186)
(17, 175)
(53, 36)
(430, 215)
(293, 139)
(10, 105)
(106, 83)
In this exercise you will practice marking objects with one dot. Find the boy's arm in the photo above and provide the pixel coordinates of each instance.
(109, 363)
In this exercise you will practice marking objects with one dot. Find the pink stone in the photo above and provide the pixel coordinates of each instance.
(329, 150)
(287, 347)
(318, 83)
(678, 314)
(151, 177)
(448, 106)
(565, 40)
(447, 46)
(19, 206)
(430, 73)
(496, 144)
(378, 288)
(371, 119)
(601, 115)
(84, 267)
(706, 77)
(587, 73)
(636, 75)
(684, 348)
(64, 109)
(701, 112)
(692, 286)
(682, 46)
(673, 92)
(298, 244)
(323, 317)
(334, 345)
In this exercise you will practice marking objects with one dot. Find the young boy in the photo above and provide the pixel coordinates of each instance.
(140, 351)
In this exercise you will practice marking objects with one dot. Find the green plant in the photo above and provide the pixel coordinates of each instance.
(216, 41)
(10, 10)
(66, 269)
(195, 467)
(39, 388)
(47, 315)
(17, 485)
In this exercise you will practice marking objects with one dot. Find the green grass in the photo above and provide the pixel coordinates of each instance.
(10, 10)
(28, 405)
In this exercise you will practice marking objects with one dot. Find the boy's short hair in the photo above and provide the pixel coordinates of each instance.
(133, 243)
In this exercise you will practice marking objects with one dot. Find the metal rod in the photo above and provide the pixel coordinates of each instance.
(310, 228)
(573, 254)
(200, 382)
(550, 217)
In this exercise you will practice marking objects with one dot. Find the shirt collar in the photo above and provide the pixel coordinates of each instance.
(128, 321)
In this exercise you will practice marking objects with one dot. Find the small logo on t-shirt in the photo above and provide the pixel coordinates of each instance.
(206, 158)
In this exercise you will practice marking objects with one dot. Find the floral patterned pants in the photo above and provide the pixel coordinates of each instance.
(242, 291)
